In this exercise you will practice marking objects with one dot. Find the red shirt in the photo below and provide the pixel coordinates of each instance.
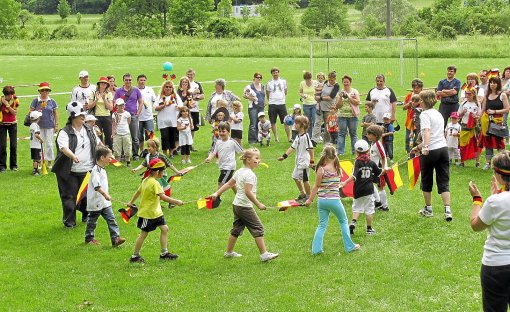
(6, 116)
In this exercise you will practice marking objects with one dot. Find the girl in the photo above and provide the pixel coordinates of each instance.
(236, 122)
(469, 114)
(185, 126)
(452, 134)
(244, 215)
(378, 155)
(326, 187)
(295, 113)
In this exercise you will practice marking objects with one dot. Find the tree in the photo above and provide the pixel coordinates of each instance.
(9, 12)
(24, 16)
(63, 9)
(325, 13)
(400, 9)
(279, 14)
(224, 8)
(245, 12)
(186, 16)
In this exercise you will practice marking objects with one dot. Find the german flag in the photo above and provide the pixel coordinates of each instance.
(393, 179)
(468, 144)
(208, 203)
(413, 170)
(493, 73)
(128, 213)
(115, 162)
(150, 134)
(346, 166)
(82, 191)
(174, 179)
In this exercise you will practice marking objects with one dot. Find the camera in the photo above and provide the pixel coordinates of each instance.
(344, 95)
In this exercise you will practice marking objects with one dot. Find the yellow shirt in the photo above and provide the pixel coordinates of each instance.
(100, 106)
(150, 207)
(310, 92)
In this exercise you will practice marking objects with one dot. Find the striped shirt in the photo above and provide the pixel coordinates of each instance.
(329, 188)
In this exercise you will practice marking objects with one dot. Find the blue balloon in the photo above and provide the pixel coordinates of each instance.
(167, 66)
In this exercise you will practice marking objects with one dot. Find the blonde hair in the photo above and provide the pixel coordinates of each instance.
(154, 143)
(167, 83)
(303, 121)
(237, 104)
(329, 153)
(502, 162)
(376, 131)
(248, 154)
(473, 76)
(415, 98)
(428, 97)
(221, 103)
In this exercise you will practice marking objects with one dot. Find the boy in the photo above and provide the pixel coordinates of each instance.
(452, 134)
(368, 120)
(150, 214)
(121, 135)
(364, 174)
(387, 136)
(91, 121)
(99, 200)
(264, 127)
(35, 141)
(219, 117)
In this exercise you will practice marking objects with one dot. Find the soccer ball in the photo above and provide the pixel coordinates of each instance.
(289, 120)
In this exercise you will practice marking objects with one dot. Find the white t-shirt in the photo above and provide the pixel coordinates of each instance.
(226, 152)
(122, 124)
(433, 120)
(167, 117)
(98, 178)
(377, 154)
(244, 176)
(34, 142)
(496, 213)
(194, 86)
(450, 133)
(301, 145)
(276, 90)
(149, 98)
(82, 95)
(82, 149)
(238, 125)
(264, 127)
(471, 108)
(384, 99)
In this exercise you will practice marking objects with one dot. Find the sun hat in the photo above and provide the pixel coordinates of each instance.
(103, 79)
(120, 101)
(261, 114)
(361, 146)
(156, 164)
(454, 115)
(44, 86)
(35, 115)
(83, 73)
(90, 118)
(75, 109)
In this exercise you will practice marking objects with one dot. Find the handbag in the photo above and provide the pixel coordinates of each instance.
(496, 130)
(26, 121)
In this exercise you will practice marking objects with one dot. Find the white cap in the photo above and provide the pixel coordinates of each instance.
(90, 118)
(261, 114)
(386, 115)
(297, 106)
(361, 146)
(120, 101)
(75, 109)
(83, 73)
(35, 115)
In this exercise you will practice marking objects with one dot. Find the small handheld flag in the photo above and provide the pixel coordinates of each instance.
(82, 191)
(413, 169)
(264, 165)
(286, 204)
(115, 162)
(44, 170)
(393, 179)
(348, 190)
(128, 213)
(208, 203)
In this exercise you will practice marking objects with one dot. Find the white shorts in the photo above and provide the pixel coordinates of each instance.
(364, 205)
(301, 174)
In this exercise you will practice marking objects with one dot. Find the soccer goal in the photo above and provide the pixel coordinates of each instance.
(363, 59)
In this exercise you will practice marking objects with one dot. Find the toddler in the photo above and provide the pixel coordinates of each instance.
(36, 141)
(387, 136)
(368, 120)
(185, 126)
(236, 122)
(378, 156)
(264, 127)
(121, 135)
(452, 134)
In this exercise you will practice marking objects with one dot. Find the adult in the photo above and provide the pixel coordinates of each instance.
(276, 92)
(484, 80)
(448, 92)
(434, 156)
(198, 94)
(494, 216)
(84, 92)
(101, 103)
(49, 119)
(417, 86)
(494, 106)
(255, 93)
(146, 118)
(77, 144)
(134, 105)
(472, 82)
(327, 102)
(383, 98)
(9, 104)
(220, 94)
(112, 87)
(505, 86)
(348, 113)
(307, 93)
(167, 107)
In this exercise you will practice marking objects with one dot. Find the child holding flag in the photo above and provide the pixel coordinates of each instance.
(150, 214)
(36, 140)
(378, 155)
(452, 134)
(469, 114)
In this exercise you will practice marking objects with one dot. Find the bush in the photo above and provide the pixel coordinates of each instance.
(41, 32)
(223, 27)
(64, 32)
(255, 28)
(447, 32)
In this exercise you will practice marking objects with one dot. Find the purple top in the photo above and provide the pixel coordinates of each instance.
(132, 101)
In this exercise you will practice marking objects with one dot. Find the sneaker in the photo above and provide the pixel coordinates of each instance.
(16, 169)
(128, 165)
(92, 242)
(136, 158)
(487, 166)
(448, 216)
(377, 205)
(356, 248)
(136, 259)
(267, 144)
(168, 256)
(232, 254)
(301, 197)
(426, 213)
(193, 149)
(183, 161)
(352, 227)
(384, 208)
(189, 161)
(462, 164)
(477, 165)
(170, 205)
(118, 241)
(2, 170)
(370, 231)
(267, 256)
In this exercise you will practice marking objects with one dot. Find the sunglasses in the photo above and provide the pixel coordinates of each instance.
(169, 87)
(259, 77)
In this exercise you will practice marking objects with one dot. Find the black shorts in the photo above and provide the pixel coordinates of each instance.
(236, 134)
(168, 137)
(275, 111)
(195, 117)
(149, 225)
(437, 160)
(35, 153)
(225, 176)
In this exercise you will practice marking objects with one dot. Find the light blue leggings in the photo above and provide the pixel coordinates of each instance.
(325, 206)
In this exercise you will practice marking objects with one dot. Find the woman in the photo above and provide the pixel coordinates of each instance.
(469, 114)
(505, 86)
(472, 81)
(112, 87)
(185, 94)
(77, 144)
(434, 155)
(494, 216)
(494, 106)
(8, 109)
(49, 120)
(102, 104)
(348, 112)
(327, 100)
(220, 94)
(167, 107)
(255, 93)
(307, 93)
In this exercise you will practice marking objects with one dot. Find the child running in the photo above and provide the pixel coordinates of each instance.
(326, 188)
(150, 214)
(304, 158)
(364, 174)
(245, 181)
(185, 126)
(378, 155)
(236, 121)
(36, 141)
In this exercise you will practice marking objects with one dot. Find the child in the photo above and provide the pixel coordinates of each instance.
(225, 149)
(264, 127)
(452, 134)
(364, 175)
(415, 136)
(469, 114)
(185, 126)
(321, 77)
(245, 181)
(332, 125)
(36, 140)
(150, 214)
(218, 118)
(368, 120)
(387, 136)
(304, 158)
(99, 200)
(296, 112)
(326, 188)
(236, 121)
(91, 121)
(221, 107)
(378, 155)
(120, 132)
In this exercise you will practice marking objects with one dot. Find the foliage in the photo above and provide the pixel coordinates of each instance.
(63, 9)
(447, 32)
(245, 13)
(399, 9)
(325, 13)
(372, 27)
(40, 32)
(280, 15)
(24, 16)
(78, 18)
(360, 4)
(64, 32)
(187, 16)
(224, 8)
(9, 12)
(91, 6)
(222, 27)
(50, 6)
(255, 28)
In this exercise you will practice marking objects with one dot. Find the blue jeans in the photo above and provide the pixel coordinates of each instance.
(310, 112)
(325, 206)
(108, 215)
(408, 140)
(344, 124)
(133, 128)
(253, 129)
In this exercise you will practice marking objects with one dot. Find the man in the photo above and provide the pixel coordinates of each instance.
(447, 91)
(383, 98)
(84, 91)
(417, 87)
(198, 95)
(484, 81)
(327, 102)
(134, 105)
(146, 118)
(276, 91)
